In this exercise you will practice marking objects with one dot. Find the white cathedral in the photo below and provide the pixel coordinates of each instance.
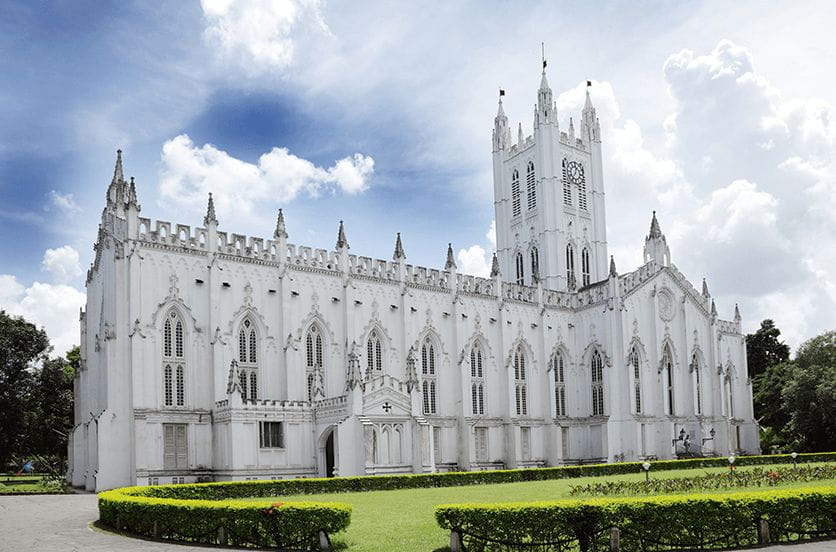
(210, 356)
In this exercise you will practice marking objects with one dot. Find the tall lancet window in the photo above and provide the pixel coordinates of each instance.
(585, 266)
(729, 391)
(248, 359)
(374, 353)
(558, 366)
(567, 187)
(695, 366)
(531, 186)
(570, 264)
(667, 375)
(516, 205)
(636, 373)
(520, 266)
(174, 361)
(313, 359)
(535, 263)
(597, 369)
(520, 385)
(428, 375)
(582, 202)
(477, 379)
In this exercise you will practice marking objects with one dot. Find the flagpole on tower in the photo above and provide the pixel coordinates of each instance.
(543, 54)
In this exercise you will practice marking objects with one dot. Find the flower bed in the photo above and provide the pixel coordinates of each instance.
(755, 477)
(287, 526)
(650, 523)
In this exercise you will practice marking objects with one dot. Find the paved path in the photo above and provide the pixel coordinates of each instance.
(62, 524)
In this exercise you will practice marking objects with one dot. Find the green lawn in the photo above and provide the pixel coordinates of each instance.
(27, 484)
(403, 520)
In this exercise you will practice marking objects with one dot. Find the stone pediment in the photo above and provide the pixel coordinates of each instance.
(386, 401)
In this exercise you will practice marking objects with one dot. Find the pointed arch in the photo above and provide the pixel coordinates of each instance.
(248, 356)
(519, 265)
(314, 356)
(596, 359)
(531, 186)
(173, 360)
(534, 253)
(666, 367)
(478, 359)
(567, 187)
(428, 354)
(696, 368)
(377, 347)
(585, 267)
(570, 264)
(516, 204)
(520, 358)
(559, 365)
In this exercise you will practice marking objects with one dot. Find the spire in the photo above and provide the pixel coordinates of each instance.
(210, 212)
(520, 135)
(451, 262)
(544, 112)
(704, 288)
(117, 171)
(571, 131)
(494, 266)
(736, 313)
(399, 254)
(341, 241)
(281, 231)
(587, 105)
(655, 230)
(131, 199)
(613, 272)
(713, 309)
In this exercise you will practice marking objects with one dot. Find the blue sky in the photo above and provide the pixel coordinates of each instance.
(721, 117)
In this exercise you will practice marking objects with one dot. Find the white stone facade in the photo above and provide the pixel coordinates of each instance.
(209, 355)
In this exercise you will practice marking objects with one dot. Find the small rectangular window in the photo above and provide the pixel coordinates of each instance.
(271, 434)
(481, 443)
(175, 446)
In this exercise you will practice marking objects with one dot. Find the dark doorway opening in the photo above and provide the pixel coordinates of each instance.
(329, 455)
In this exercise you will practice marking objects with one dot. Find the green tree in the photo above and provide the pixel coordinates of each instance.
(51, 409)
(766, 395)
(22, 348)
(809, 396)
(763, 348)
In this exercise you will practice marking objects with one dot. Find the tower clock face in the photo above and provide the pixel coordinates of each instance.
(575, 172)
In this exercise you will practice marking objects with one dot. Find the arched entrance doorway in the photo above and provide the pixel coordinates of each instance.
(329, 455)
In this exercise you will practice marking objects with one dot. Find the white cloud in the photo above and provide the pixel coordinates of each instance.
(189, 173)
(52, 307)
(257, 36)
(474, 260)
(65, 202)
(62, 263)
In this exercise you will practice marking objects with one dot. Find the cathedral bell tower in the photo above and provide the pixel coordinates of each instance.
(549, 198)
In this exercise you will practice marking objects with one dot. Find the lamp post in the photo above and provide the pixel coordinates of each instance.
(794, 456)
(646, 468)
(731, 463)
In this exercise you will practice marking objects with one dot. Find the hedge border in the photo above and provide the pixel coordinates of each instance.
(283, 487)
(261, 524)
(670, 522)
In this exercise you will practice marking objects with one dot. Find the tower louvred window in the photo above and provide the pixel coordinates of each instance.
(531, 186)
(516, 205)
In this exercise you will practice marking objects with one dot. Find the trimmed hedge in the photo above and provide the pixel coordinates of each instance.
(280, 525)
(283, 487)
(653, 523)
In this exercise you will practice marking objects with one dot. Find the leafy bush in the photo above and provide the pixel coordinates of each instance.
(293, 525)
(240, 489)
(651, 523)
(755, 477)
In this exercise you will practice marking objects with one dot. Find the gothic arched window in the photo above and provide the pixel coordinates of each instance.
(313, 358)
(558, 366)
(570, 265)
(477, 379)
(567, 187)
(428, 386)
(520, 385)
(585, 266)
(636, 374)
(667, 368)
(248, 359)
(695, 366)
(516, 206)
(520, 268)
(174, 361)
(374, 353)
(535, 263)
(597, 369)
(531, 186)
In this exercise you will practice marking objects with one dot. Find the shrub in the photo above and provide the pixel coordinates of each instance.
(755, 477)
(650, 523)
(284, 487)
(293, 525)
